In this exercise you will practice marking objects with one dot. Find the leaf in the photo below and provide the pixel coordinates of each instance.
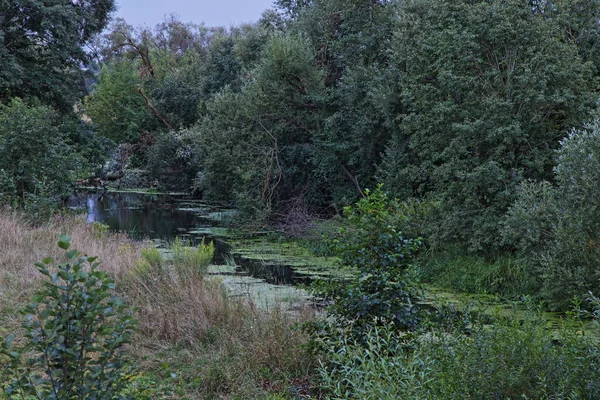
(64, 242)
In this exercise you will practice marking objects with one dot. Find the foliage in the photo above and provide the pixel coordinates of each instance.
(508, 276)
(377, 255)
(35, 157)
(556, 228)
(41, 48)
(76, 332)
(489, 87)
(189, 261)
(513, 358)
(174, 160)
(115, 107)
(257, 141)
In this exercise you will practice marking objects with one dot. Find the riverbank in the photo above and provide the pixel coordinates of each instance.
(194, 341)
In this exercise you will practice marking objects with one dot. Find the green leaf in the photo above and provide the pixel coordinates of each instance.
(64, 242)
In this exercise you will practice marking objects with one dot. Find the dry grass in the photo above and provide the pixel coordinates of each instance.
(217, 346)
(22, 245)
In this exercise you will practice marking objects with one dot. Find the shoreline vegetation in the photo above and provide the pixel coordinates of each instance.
(196, 342)
(193, 340)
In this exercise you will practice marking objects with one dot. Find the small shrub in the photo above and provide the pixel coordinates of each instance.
(378, 256)
(76, 331)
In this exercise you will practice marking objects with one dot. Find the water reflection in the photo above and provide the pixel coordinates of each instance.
(139, 215)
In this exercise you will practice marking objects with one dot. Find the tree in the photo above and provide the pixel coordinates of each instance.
(258, 140)
(35, 156)
(116, 108)
(490, 88)
(41, 52)
(351, 40)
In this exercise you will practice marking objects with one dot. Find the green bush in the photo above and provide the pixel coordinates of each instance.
(35, 157)
(174, 160)
(377, 255)
(513, 358)
(76, 330)
(557, 228)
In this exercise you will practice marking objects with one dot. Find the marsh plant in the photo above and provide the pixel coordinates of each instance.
(188, 261)
(76, 332)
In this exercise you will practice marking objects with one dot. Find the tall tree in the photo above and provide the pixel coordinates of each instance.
(41, 47)
(491, 87)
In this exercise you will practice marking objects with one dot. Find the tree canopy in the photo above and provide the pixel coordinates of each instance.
(42, 47)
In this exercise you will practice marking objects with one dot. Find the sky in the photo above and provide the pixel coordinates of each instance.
(211, 12)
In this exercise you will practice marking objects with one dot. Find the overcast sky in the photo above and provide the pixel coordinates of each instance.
(211, 12)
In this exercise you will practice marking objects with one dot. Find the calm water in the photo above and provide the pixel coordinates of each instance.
(164, 217)
(151, 216)
(154, 216)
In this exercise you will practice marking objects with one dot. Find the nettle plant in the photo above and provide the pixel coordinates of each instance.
(76, 330)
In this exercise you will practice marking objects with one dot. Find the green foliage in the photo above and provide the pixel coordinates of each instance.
(257, 141)
(513, 358)
(116, 108)
(8, 189)
(174, 160)
(189, 261)
(508, 276)
(36, 161)
(377, 255)
(41, 48)
(489, 88)
(76, 330)
(557, 228)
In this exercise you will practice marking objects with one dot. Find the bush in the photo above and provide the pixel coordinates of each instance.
(513, 358)
(35, 159)
(377, 256)
(174, 160)
(76, 331)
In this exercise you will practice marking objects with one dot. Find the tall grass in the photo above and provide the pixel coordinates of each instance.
(193, 338)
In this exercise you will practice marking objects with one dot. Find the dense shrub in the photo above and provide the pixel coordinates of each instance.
(174, 160)
(557, 228)
(376, 256)
(35, 158)
(514, 358)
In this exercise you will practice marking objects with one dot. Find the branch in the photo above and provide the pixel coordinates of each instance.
(354, 180)
(158, 114)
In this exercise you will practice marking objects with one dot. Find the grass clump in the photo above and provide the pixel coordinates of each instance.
(189, 261)
(452, 269)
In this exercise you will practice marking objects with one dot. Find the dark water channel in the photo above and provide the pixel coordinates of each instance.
(159, 217)
(164, 217)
